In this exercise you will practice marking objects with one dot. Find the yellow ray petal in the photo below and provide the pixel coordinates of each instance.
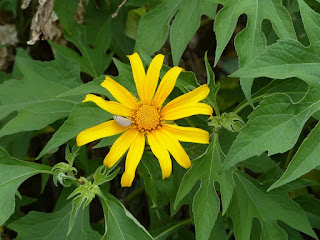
(152, 77)
(133, 158)
(187, 134)
(175, 148)
(119, 92)
(166, 85)
(160, 151)
(138, 72)
(120, 146)
(110, 106)
(106, 129)
(186, 110)
(193, 96)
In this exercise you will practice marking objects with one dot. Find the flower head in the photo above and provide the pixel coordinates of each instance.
(146, 117)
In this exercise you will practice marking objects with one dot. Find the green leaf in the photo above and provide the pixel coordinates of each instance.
(169, 229)
(218, 231)
(64, 174)
(103, 175)
(53, 226)
(285, 59)
(230, 121)
(83, 195)
(125, 78)
(253, 201)
(83, 116)
(274, 126)
(230, 93)
(311, 21)
(227, 18)
(120, 224)
(305, 159)
(159, 190)
(9, 5)
(214, 88)
(154, 26)
(35, 94)
(311, 205)
(186, 23)
(206, 203)
(251, 41)
(121, 44)
(260, 164)
(93, 86)
(17, 144)
(265, 130)
(13, 173)
(295, 88)
(105, 142)
(93, 59)
(132, 22)
(88, 115)
(71, 153)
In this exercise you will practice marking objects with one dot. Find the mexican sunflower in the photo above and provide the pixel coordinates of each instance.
(148, 119)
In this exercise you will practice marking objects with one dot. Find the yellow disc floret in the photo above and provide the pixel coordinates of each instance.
(146, 118)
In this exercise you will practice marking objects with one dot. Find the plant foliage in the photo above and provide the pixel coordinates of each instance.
(258, 178)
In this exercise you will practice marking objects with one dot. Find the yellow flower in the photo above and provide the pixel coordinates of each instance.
(148, 118)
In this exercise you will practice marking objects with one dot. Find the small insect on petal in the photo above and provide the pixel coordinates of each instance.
(122, 121)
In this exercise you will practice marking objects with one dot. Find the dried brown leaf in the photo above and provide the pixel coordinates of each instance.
(8, 38)
(42, 21)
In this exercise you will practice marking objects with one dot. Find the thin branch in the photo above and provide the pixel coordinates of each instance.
(119, 7)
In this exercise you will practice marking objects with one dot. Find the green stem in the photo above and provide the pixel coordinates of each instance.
(230, 234)
(216, 110)
(172, 229)
(246, 103)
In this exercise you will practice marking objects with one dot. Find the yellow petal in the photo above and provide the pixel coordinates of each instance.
(187, 134)
(133, 158)
(175, 148)
(138, 72)
(119, 93)
(152, 77)
(193, 96)
(166, 85)
(160, 151)
(186, 111)
(110, 106)
(106, 129)
(120, 146)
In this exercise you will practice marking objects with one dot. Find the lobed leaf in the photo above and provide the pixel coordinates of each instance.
(311, 205)
(93, 59)
(120, 224)
(253, 201)
(311, 21)
(13, 173)
(274, 126)
(206, 203)
(251, 41)
(154, 26)
(83, 116)
(305, 159)
(52, 226)
(35, 94)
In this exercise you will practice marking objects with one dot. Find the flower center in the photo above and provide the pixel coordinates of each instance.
(146, 118)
